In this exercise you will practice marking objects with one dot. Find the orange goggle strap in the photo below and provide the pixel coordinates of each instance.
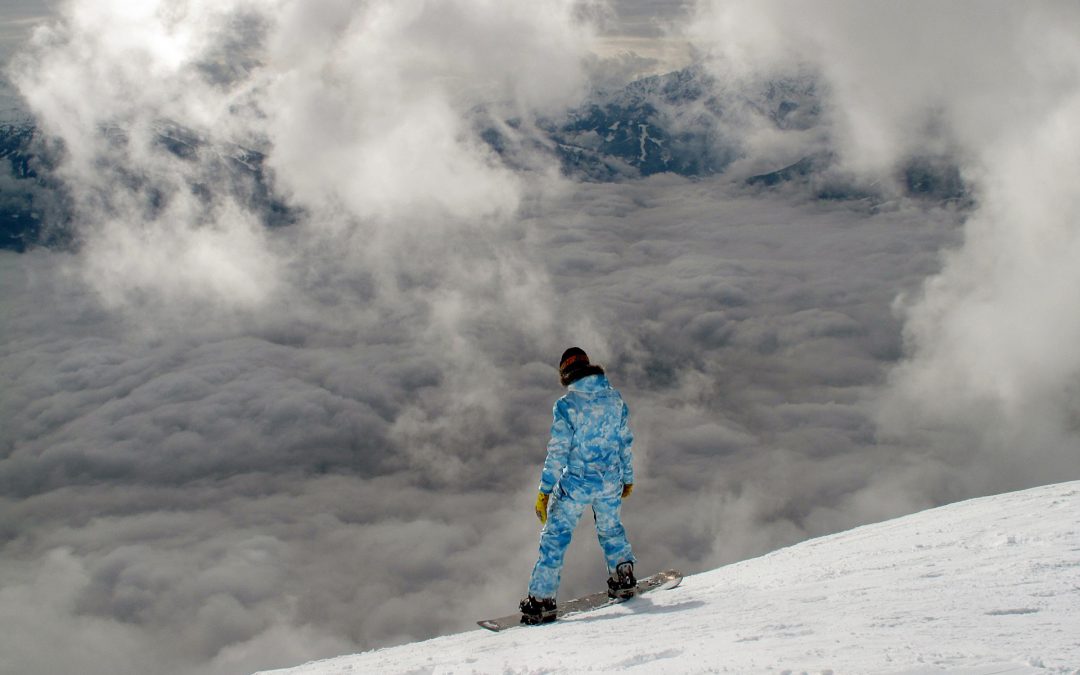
(572, 360)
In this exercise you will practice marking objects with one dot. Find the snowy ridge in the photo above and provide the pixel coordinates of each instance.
(990, 585)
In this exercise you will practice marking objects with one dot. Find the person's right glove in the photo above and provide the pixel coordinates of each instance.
(541, 506)
(627, 489)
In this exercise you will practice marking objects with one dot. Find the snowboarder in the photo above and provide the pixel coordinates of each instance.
(589, 463)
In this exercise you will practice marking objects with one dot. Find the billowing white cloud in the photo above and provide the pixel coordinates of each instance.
(371, 338)
(373, 135)
(995, 88)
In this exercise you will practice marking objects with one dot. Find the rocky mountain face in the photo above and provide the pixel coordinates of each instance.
(36, 208)
(33, 205)
(686, 122)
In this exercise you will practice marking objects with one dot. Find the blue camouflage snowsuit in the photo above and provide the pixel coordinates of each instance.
(588, 462)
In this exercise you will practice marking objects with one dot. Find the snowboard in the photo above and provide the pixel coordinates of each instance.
(660, 580)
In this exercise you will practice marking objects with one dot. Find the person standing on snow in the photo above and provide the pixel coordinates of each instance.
(589, 463)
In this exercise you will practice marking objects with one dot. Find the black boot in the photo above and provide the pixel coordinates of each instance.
(622, 583)
(537, 610)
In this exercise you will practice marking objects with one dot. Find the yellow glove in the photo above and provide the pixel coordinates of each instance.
(541, 506)
(627, 489)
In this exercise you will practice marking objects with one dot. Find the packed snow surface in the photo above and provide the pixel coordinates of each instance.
(990, 585)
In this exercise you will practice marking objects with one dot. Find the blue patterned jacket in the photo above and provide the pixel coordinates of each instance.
(590, 435)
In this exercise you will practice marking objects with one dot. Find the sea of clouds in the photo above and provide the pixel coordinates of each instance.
(225, 447)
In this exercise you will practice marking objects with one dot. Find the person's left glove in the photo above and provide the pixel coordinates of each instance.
(541, 506)
(627, 488)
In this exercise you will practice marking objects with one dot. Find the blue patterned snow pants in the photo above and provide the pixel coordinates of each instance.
(568, 501)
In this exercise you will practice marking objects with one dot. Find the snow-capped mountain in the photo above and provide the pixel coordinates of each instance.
(31, 202)
(685, 122)
(34, 206)
(990, 585)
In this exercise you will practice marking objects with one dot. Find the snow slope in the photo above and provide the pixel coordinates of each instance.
(990, 585)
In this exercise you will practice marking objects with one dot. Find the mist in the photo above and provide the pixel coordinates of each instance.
(988, 375)
(228, 446)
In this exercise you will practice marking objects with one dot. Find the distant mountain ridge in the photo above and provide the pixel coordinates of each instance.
(686, 122)
(33, 204)
(36, 210)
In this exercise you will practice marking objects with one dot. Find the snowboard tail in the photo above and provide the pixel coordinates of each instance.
(660, 580)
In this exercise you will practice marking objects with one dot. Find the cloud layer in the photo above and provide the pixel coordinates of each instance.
(332, 479)
(993, 87)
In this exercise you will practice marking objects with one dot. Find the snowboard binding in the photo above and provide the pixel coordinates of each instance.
(536, 610)
(622, 584)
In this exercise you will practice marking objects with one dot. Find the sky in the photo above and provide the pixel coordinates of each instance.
(645, 27)
(17, 20)
(226, 447)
